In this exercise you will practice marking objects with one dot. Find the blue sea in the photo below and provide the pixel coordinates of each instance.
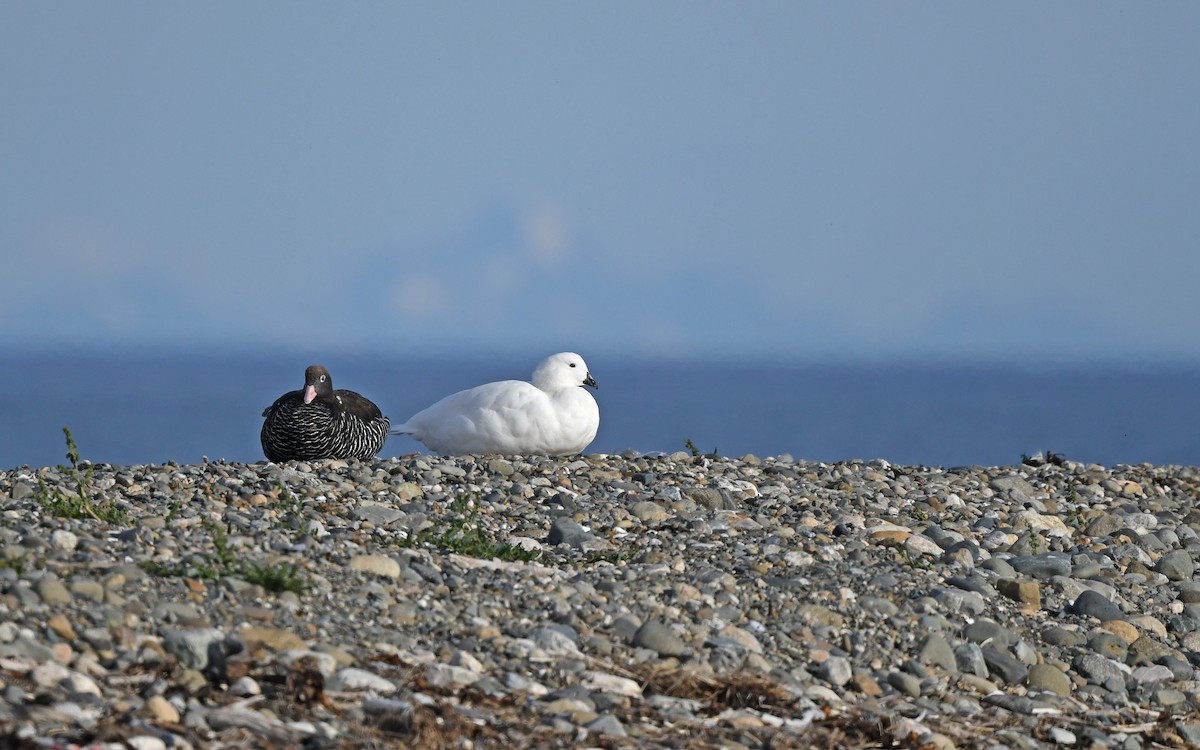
(134, 407)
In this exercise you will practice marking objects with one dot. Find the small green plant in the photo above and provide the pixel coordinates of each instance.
(225, 557)
(611, 556)
(223, 562)
(687, 443)
(907, 557)
(79, 504)
(276, 578)
(289, 508)
(464, 534)
(166, 570)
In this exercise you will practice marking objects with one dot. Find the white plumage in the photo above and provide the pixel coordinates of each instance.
(552, 415)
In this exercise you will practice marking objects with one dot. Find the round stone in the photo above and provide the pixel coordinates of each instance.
(1176, 565)
(656, 636)
(1094, 604)
(1047, 677)
(1123, 630)
(380, 565)
(161, 709)
(52, 591)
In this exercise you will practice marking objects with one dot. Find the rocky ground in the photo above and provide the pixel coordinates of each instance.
(671, 601)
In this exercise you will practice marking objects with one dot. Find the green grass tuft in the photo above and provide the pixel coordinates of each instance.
(223, 562)
(464, 534)
(274, 578)
(79, 504)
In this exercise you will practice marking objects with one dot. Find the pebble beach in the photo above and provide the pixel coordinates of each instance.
(610, 601)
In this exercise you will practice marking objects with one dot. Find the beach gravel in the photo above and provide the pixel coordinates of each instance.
(639, 600)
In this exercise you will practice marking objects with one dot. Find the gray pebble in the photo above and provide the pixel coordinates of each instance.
(566, 531)
(1176, 565)
(936, 651)
(51, 591)
(1004, 665)
(555, 641)
(656, 636)
(1109, 645)
(906, 683)
(1047, 677)
(1058, 636)
(1094, 604)
(835, 670)
(1044, 566)
(1020, 490)
(190, 645)
(607, 725)
(969, 658)
(1103, 525)
(1099, 670)
(987, 632)
(1151, 674)
(1000, 567)
(377, 514)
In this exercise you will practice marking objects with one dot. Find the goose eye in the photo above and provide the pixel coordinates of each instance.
(572, 364)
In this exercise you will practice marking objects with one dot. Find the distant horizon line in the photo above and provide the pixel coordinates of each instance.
(1024, 360)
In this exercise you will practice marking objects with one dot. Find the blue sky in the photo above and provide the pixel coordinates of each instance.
(788, 180)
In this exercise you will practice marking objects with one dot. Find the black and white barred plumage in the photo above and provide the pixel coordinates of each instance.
(318, 422)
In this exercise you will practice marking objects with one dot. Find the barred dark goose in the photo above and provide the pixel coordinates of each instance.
(318, 422)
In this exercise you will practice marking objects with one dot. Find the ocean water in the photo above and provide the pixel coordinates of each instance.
(150, 407)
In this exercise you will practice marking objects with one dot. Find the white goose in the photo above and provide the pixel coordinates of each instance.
(551, 415)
